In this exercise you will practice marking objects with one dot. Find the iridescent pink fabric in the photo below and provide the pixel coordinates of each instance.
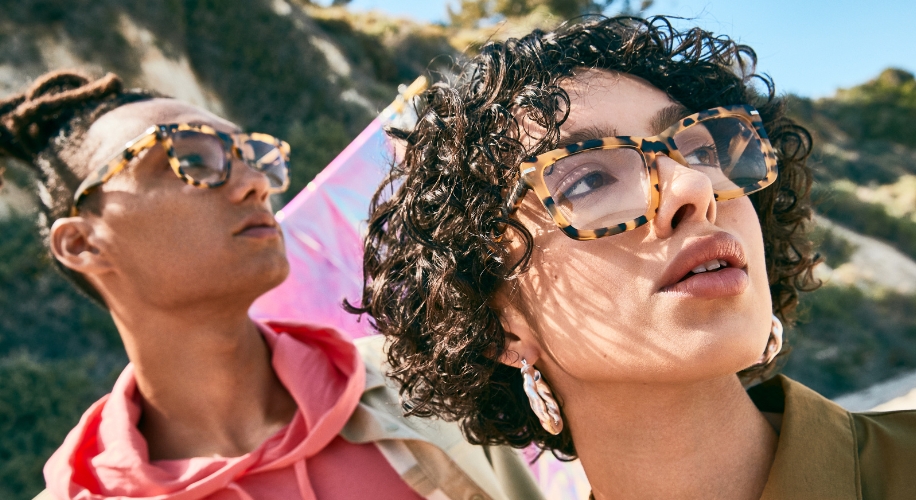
(324, 226)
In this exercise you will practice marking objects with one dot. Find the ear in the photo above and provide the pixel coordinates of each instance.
(75, 245)
(521, 343)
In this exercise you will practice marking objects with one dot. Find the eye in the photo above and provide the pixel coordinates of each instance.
(588, 183)
(191, 161)
(704, 155)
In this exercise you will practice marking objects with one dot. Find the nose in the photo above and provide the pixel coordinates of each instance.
(247, 184)
(686, 196)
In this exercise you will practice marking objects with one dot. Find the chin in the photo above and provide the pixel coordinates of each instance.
(735, 352)
(270, 273)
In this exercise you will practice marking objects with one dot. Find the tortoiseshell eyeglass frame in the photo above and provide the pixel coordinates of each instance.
(161, 134)
(532, 169)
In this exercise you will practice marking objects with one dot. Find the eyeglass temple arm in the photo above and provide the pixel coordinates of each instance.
(113, 167)
(515, 197)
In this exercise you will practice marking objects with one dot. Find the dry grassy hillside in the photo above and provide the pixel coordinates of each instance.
(861, 328)
(316, 77)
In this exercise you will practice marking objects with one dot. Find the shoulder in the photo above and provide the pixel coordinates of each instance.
(434, 449)
(876, 428)
(886, 445)
(372, 350)
(878, 448)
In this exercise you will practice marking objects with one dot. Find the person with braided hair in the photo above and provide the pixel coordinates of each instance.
(160, 212)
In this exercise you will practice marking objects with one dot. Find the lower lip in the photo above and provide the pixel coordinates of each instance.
(260, 232)
(710, 285)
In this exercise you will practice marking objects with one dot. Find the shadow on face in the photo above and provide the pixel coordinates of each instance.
(161, 242)
(600, 310)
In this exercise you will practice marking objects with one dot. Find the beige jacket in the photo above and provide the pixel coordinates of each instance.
(431, 455)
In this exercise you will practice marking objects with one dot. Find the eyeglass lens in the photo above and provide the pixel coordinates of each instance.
(600, 188)
(267, 158)
(204, 157)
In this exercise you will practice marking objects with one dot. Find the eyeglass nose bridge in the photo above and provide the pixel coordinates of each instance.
(670, 150)
(653, 148)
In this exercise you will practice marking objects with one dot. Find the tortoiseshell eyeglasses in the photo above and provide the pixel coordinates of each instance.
(200, 156)
(603, 187)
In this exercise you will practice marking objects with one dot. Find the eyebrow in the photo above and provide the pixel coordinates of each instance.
(586, 134)
(234, 130)
(668, 117)
(657, 124)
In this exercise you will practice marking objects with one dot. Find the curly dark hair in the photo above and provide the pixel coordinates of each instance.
(42, 127)
(435, 257)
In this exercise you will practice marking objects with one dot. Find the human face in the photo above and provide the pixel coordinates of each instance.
(169, 243)
(627, 308)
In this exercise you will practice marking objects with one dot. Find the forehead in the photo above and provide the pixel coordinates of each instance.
(612, 101)
(107, 136)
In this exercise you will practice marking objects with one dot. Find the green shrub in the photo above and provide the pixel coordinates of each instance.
(835, 249)
(40, 401)
(883, 108)
(42, 313)
(848, 340)
(863, 134)
(872, 219)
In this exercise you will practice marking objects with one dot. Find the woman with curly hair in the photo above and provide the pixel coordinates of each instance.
(592, 243)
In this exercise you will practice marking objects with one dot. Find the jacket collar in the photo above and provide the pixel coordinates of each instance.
(431, 455)
(817, 455)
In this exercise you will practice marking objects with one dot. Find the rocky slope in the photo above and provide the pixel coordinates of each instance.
(316, 77)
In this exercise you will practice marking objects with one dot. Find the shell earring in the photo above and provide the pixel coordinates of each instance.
(774, 344)
(540, 398)
(765, 366)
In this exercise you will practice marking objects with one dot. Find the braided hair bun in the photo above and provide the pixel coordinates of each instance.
(40, 125)
(28, 120)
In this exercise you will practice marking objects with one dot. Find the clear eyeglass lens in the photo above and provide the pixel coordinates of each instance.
(600, 188)
(267, 158)
(727, 149)
(202, 157)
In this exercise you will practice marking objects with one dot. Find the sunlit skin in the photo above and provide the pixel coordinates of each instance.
(178, 267)
(646, 374)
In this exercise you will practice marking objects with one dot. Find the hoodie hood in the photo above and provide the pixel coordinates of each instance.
(105, 456)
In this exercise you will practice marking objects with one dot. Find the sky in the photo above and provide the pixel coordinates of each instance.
(809, 47)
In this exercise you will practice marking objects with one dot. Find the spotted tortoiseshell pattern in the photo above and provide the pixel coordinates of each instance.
(532, 169)
(161, 134)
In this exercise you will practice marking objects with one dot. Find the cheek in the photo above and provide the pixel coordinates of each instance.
(168, 233)
(584, 297)
(593, 307)
(739, 218)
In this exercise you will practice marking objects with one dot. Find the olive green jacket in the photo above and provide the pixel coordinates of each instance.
(826, 452)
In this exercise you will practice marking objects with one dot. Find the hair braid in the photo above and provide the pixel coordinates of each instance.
(47, 120)
(52, 102)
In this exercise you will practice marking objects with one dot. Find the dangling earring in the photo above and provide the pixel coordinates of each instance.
(765, 366)
(774, 344)
(543, 404)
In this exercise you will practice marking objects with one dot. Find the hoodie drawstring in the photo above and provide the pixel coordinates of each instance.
(302, 479)
(243, 495)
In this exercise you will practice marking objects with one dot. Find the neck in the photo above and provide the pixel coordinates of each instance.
(205, 378)
(699, 440)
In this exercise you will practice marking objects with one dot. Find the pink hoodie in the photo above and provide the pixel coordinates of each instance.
(105, 456)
